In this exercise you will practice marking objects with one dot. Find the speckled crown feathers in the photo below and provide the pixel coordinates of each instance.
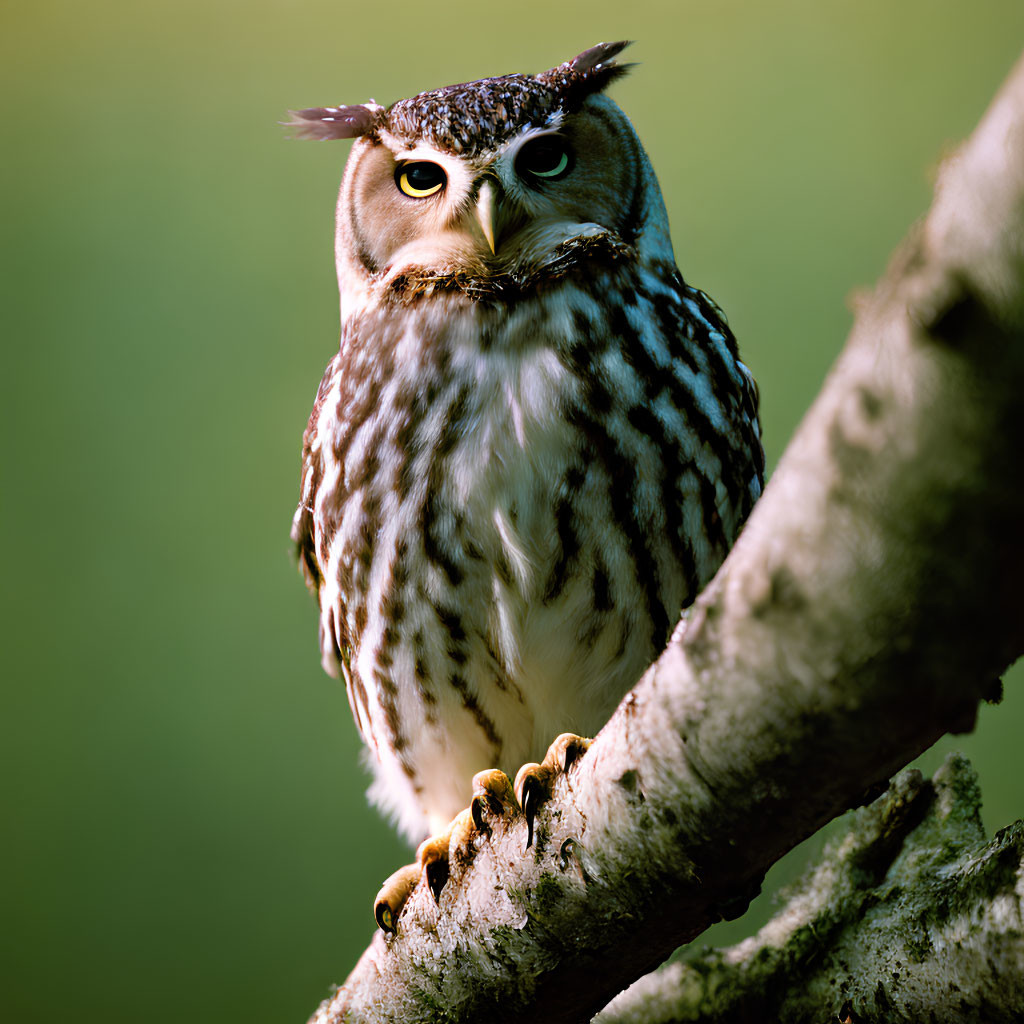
(472, 117)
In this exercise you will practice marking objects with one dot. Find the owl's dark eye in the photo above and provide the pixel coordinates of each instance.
(547, 157)
(420, 178)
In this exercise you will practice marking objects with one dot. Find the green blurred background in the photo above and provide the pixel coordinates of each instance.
(186, 836)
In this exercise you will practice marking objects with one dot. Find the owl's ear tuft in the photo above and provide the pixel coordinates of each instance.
(597, 57)
(335, 122)
(589, 72)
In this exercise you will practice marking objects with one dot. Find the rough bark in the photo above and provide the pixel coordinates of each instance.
(872, 599)
(911, 916)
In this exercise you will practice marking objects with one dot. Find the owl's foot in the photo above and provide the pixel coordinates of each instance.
(534, 781)
(493, 799)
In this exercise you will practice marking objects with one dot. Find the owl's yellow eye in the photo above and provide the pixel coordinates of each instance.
(420, 179)
(547, 157)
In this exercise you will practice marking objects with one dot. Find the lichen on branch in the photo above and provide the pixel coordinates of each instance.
(910, 914)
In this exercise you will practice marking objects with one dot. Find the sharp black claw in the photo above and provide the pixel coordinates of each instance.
(476, 809)
(385, 918)
(531, 800)
(573, 752)
(437, 877)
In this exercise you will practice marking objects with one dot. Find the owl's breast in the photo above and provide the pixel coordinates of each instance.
(514, 506)
(528, 508)
(509, 459)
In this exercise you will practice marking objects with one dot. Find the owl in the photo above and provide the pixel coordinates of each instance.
(535, 444)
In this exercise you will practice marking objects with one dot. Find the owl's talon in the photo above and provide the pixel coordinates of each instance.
(433, 863)
(569, 748)
(533, 781)
(437, 874)
(478, 808)
(433, 853)
(493, 797)
(530, 791)
(388, 903)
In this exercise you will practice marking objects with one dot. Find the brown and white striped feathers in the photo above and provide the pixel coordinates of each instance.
(536, 442)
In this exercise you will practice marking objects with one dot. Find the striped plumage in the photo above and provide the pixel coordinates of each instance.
(523, 464)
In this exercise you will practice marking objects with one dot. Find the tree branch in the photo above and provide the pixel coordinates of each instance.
(910, 915)
(871, 600)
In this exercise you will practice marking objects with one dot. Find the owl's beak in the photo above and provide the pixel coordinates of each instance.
(486, 213)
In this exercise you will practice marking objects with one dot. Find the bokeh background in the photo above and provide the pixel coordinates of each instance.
(185, 833)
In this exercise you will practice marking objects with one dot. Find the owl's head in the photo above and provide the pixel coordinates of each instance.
(491, 187)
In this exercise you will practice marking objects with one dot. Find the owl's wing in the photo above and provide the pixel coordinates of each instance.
(303, 531)
(313, 530)
(303, 524)
(312, 541)
(736, 393)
